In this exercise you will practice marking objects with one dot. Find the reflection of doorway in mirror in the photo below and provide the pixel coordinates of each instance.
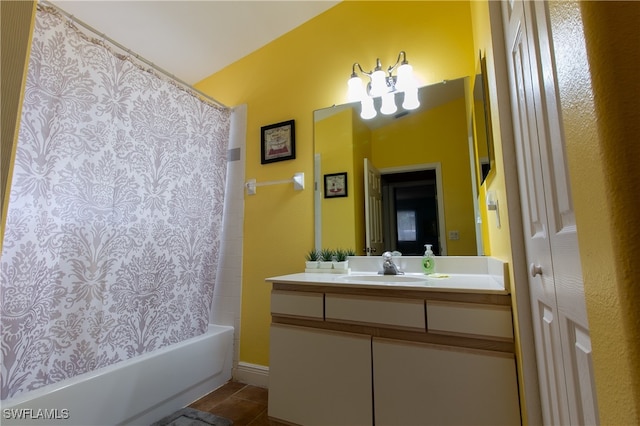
(410, 208)
(407, 225)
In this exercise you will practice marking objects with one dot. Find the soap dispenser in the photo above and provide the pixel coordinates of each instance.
(428, 260)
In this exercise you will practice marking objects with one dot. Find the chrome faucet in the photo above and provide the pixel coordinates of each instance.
(388, 267)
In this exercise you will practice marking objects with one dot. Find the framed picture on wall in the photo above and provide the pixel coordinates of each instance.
(335, 185)
(278, 142)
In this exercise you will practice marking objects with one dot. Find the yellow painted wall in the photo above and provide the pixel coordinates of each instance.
(601, 134)
(17, 27)
(304, 70)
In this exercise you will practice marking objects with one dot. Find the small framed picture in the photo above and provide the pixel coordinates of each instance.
(335, 185)
(278, 142)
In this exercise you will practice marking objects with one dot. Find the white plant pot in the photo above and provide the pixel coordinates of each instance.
(311, 264)
(344, 265)
(325, 264)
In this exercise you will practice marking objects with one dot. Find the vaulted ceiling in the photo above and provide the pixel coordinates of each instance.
(193, 39)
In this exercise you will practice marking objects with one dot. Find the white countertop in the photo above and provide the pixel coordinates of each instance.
(458, 283)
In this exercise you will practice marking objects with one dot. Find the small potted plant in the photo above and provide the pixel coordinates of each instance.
(326, 258)
(312, 259)
(340, 259)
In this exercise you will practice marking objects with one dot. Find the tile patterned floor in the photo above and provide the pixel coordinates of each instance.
(243, 404)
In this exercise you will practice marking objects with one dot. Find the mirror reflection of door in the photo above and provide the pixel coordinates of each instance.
(374, 219)
(410, 209)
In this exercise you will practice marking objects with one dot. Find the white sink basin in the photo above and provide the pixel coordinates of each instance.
(382, 278)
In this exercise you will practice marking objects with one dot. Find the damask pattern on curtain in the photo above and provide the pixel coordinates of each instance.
(115, 215)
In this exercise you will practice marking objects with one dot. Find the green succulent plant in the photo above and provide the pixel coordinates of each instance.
(312, 255)
(326, 255)
(341, 255)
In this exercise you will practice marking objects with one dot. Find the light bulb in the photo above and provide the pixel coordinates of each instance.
(405, 79)
(411, 100)
(356, 91)
(368, 111)
(388, 104)
(378, 84)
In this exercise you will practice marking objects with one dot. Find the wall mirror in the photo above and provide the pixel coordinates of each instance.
(482, 122)
(411, 176)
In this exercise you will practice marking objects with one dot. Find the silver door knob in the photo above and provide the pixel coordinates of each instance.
(535, 269)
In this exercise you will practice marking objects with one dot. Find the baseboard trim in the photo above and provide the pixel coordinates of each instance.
(252, 374)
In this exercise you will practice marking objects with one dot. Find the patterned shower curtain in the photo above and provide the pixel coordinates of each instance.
(115, 216)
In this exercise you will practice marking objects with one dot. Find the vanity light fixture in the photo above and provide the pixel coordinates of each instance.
(385, 86)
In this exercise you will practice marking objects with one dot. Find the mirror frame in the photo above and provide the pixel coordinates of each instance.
(486, 117)
(472, 164)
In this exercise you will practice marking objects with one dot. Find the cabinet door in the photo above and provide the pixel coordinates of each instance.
(423, 384)
(319, 377)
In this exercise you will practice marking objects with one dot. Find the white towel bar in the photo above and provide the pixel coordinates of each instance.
(297, 180)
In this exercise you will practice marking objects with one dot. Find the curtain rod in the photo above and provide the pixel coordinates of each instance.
(104, 37)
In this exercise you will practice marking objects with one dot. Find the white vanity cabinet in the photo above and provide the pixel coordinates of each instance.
(319, 377)
(425, 384)
(362, 356)
(316, 376)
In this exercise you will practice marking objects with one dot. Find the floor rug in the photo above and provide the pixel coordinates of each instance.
(191, 417)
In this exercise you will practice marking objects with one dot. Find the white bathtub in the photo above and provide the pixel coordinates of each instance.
(138, 391)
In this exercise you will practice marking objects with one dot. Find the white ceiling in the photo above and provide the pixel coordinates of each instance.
(193, 39)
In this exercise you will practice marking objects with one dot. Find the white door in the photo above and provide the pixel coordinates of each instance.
(563, 347)
(372, 209)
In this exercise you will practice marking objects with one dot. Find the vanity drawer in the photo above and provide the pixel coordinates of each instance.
(297, 303)
(383, 311)
(456, 318)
